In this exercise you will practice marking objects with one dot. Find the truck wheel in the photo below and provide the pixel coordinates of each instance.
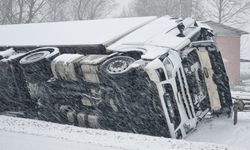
(36, 65)
(34, 57)
(117, 65)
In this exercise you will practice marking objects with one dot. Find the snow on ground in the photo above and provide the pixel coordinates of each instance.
(241, 94)
(222, 131)
(25, 134)
(20, 141)
(245, 68)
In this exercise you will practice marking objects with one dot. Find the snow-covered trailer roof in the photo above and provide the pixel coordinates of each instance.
(87, 32)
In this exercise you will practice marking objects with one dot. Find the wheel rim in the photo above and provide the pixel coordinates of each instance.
(117, 66)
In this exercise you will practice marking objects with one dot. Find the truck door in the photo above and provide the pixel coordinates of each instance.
(208, 72)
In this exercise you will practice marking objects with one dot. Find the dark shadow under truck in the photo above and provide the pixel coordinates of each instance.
(145, 82)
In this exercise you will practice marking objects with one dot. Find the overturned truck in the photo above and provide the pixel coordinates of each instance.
(153, 76)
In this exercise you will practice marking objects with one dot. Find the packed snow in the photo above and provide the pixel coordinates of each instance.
(24, 134)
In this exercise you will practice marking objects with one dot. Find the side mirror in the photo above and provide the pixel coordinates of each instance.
(181, 28)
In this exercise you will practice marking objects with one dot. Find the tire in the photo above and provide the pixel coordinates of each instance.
(34, 57)
(36, 65)
(117, 65)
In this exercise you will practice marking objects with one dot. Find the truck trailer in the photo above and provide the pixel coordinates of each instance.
(146, 75)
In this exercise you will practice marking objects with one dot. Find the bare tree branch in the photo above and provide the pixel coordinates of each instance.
(92, 9)
(20, 11)
(227, 11)
(175, 8)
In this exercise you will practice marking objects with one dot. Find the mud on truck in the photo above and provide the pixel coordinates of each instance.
(149, 75)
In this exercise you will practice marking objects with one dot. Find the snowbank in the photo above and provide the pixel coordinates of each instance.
(16, 134)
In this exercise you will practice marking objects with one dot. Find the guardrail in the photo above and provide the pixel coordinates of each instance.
(240, 105)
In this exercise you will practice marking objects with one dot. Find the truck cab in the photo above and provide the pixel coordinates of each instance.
(184, 62)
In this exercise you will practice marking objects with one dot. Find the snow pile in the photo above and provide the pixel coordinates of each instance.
(16, 133)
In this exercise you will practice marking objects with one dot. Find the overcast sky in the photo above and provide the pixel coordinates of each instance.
(119, 8)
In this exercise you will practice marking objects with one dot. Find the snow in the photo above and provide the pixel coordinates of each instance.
(7, 53)
(161, 32)
(245, 42)
(161, 25)
(20, 141)
(67, 58)
(245, 67)
(153, 52)
(222, 131)
(240, 94)
(18, 134)
(85, 32)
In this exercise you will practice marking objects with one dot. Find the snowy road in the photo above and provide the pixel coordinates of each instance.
(21, 141)
(222, 131)
(25, 134)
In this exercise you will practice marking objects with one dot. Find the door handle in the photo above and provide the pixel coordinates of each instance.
(206, 72)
